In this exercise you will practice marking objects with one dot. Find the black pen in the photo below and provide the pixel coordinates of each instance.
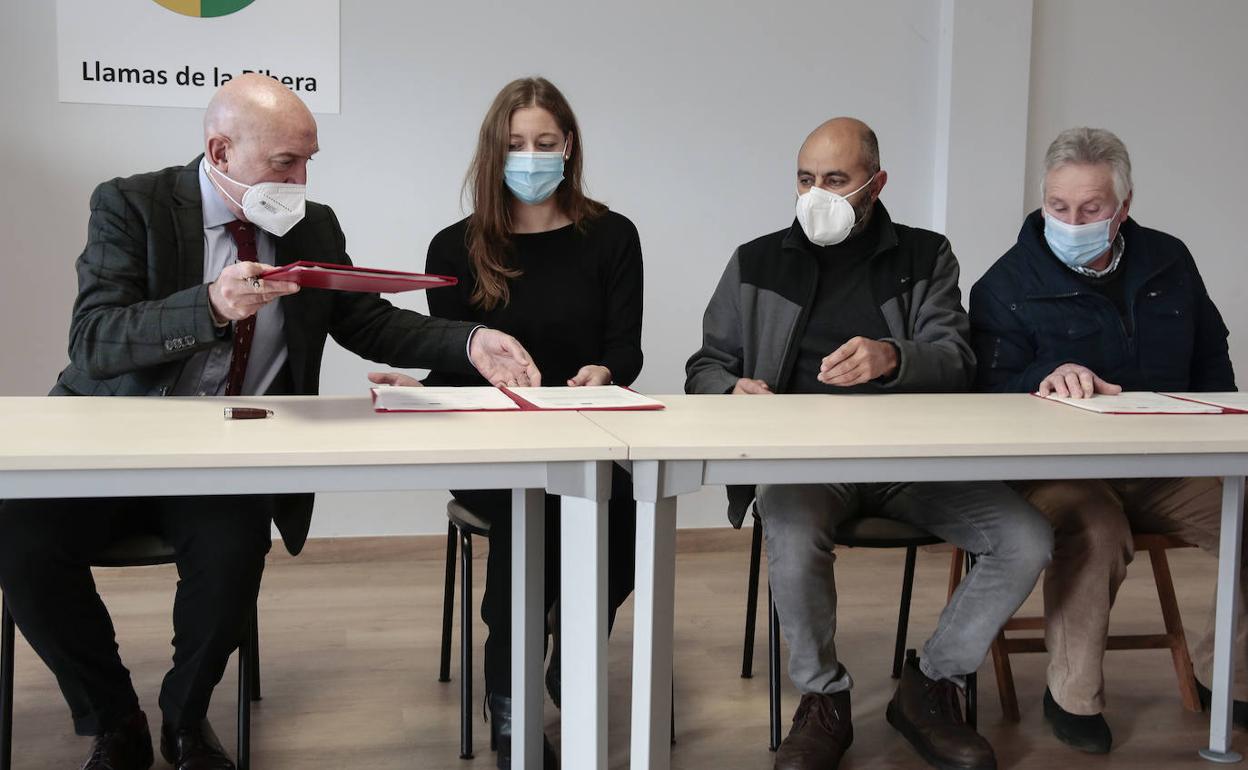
(246, 413)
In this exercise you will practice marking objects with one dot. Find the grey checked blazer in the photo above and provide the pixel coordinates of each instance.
(142, 307)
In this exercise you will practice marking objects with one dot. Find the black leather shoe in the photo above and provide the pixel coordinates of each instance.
(928, 713)
(1086, 733)
(500, 734)
(126, 747)
(1239, 709)
(821, 734)
(193, 748)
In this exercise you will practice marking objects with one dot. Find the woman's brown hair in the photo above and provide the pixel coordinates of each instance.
(489, 225)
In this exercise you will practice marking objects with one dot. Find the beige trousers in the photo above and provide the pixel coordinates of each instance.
(1093, 522)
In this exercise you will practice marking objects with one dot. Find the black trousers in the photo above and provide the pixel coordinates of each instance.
(494, 505)
(45, 549)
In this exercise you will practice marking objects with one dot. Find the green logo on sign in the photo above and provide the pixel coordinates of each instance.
(205, 8)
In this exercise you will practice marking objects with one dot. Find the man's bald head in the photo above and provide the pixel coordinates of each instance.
(257, 130)
(252, 103)
(842, 156)
(844, 135)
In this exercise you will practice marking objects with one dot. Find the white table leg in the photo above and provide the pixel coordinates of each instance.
(583, 623)
(653, 608)
(1228, 587)
(528, 625)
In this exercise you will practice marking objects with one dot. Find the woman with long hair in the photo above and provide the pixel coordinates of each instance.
(559, 271)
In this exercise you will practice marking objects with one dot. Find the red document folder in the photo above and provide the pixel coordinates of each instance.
(321, 275)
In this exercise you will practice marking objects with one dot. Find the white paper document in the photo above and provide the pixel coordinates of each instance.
(590, 397)
(1234, 401)
(394, 398)
(1138, 403)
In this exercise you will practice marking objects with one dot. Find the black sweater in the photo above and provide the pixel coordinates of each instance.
(577, 302)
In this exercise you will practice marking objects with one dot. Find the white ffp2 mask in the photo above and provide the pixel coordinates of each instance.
(825, 217)
(274, 207)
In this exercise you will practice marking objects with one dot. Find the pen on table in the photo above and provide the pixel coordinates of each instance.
(246, 413)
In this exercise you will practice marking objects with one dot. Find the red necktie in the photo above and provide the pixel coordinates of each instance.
(244, 235)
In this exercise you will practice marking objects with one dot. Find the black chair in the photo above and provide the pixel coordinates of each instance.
(137, 551)
(865, 532)
(463, 524)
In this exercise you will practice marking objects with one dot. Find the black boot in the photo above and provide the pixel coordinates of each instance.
(1239, 709)
(500, 734)
(1086, 733)
(927, 712)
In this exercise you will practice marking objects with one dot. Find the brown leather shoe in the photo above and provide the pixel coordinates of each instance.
(193, 748)
(928, 714)
(126, 747)
(821, 734)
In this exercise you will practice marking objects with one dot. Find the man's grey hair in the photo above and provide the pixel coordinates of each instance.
(1091, 146)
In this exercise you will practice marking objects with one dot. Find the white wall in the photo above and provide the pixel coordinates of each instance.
(691, 116)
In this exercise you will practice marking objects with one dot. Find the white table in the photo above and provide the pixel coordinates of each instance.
(702, 440)
(106, 447)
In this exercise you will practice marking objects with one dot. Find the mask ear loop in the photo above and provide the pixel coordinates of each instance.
(858, 219)
(222, 189)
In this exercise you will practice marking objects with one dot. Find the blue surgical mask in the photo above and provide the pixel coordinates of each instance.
(1078, 245)
(533, 176)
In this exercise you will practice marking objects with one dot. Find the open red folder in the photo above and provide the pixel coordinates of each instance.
(389, 398)
(322, 275)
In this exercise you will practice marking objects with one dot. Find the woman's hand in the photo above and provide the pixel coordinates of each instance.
(394, 378)
(591, 375)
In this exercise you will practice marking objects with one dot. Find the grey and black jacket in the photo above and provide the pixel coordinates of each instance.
(755, 319)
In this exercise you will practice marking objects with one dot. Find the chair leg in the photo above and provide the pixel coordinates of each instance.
(1174, 629)
(955, 570)
(903, 614)
(773, 670)
(448, 605)
(972, 700)
(1005, 679)
(254, 651)
(751, 600)
(673, 711)
(465, 647)
(6, 686)
(972, 679)
(244, 698)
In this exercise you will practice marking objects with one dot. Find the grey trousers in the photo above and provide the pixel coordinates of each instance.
(1013, 543)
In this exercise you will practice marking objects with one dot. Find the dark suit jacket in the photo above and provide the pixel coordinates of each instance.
(142, 308)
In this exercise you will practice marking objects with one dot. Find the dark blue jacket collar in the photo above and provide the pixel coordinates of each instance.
(1140, 261)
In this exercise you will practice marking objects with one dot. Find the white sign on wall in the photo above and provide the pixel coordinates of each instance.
(176, 53)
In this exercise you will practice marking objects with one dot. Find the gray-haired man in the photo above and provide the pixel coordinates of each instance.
(1089, 302)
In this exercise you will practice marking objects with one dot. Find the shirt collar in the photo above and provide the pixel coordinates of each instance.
(216, 212)
(1120, 245)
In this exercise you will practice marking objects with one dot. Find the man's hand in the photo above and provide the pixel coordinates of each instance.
(502, 360)
(239, 292)
(857, 361)
(747, 387)
(394, 378)
(1075, 381)
(591, 374)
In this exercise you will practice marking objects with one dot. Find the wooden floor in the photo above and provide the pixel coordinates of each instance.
(350, 631)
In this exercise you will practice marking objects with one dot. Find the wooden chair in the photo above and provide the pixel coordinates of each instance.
(1173, 639)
